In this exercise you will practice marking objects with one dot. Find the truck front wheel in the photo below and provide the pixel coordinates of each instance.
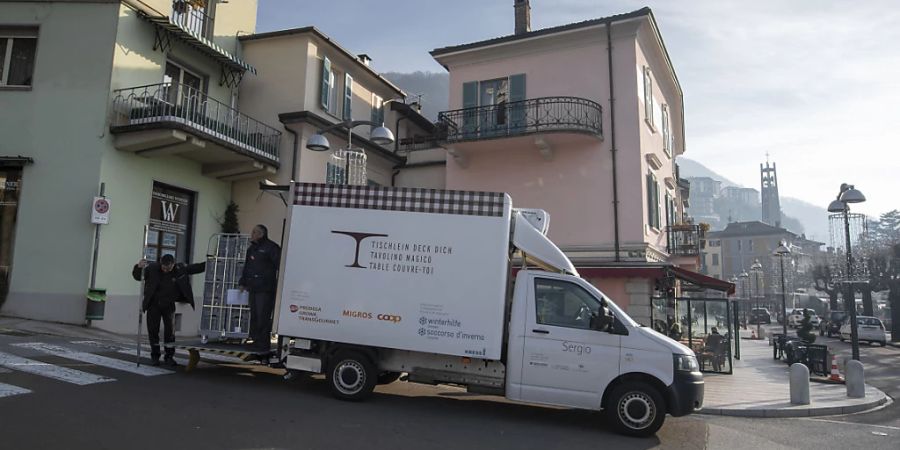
(352, 376)
(636, 409)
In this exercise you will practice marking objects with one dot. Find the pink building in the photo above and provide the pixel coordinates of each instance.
(588, 131)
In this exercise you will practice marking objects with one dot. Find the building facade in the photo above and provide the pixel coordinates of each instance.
(527, 119)
(139, 100)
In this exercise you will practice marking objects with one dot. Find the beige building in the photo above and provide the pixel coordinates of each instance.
(308, 83)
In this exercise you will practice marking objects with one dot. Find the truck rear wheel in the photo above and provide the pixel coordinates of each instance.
(636, 409)
(352, 376)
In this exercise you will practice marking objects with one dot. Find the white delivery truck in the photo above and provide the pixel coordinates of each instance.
(377, 282)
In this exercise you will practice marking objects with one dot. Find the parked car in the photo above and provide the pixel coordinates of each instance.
(796, 317)
(831, 323)
(868, 328)
(760, 315)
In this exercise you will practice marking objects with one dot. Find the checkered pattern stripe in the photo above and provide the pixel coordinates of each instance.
(467, 203)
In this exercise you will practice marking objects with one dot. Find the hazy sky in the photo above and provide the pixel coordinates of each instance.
(814, 83)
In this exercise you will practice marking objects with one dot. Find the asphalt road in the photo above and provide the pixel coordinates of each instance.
(227, 406)
(882, 370)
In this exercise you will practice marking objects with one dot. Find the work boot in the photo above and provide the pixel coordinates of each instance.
(170, 361)
(154, 360)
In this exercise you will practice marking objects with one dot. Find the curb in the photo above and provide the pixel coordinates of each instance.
(799, 412)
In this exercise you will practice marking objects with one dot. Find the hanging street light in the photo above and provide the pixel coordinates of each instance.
(849, 194)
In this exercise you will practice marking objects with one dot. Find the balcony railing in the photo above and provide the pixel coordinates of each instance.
(536, 115)
(192, 17)
(684, 240)
(180, 104)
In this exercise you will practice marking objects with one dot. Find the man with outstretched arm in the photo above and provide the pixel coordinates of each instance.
(165, 283)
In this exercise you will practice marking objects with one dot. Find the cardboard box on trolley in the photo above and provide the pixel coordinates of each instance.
(408, 269)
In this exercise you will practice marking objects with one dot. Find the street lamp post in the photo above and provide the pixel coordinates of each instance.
(847, 195)
(756, 269)
(380, 135)
(780, 252)
(736, 335)
(745, 291)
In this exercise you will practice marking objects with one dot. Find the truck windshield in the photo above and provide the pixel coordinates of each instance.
(563, 304)
(568, 304)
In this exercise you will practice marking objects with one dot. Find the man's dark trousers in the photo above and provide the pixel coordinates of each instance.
(261, 306)
(167, 314)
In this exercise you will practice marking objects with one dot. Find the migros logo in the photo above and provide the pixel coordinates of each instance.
(393, 318)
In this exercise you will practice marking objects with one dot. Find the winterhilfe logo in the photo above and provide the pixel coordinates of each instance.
(358, 237)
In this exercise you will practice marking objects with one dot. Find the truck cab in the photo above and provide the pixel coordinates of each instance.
(561, 352)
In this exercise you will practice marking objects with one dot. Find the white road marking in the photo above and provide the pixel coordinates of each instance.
(887, 427)
(8, 390)
(112, 363)
(50, 370)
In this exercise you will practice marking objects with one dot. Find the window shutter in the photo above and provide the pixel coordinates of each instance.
(648, 96)
(655, 203)
(665, 129)
(649, 187)
(470, 102)
(348, 97)
(377, 115)
(326, 82)
(517, 94)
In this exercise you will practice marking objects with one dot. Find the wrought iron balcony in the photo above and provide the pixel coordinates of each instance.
(535, 115)
(684, 240)
(192, 16)
(179, 106)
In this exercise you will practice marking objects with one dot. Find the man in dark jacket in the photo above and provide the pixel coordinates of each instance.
(259, 276)
(165, 283)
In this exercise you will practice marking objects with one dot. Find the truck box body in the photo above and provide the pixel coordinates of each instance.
(410, 269)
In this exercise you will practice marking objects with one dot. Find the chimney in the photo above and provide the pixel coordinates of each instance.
(364, 58)
(523, 16)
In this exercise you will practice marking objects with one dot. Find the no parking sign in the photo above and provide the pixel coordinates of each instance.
(100, 211)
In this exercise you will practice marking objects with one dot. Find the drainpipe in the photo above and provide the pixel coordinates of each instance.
(612, 133)
(397, 127)
(394, 174)
(296, 149)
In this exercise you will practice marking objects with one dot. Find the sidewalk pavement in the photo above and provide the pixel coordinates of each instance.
(10, 325)
(760, 387)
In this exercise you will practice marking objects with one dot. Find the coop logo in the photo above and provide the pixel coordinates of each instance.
(358, 237)
(389, 318)
(294, 308)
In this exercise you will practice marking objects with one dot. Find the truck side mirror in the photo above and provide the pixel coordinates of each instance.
(603, 320)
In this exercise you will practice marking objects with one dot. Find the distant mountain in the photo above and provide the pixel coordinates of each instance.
(433, 88)
(798, 216)
(691, 168)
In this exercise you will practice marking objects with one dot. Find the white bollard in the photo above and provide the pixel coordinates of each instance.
(799, 384)
(856, 379)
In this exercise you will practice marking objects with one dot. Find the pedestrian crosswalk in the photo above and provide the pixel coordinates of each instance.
(60, 373)
(77, 366)
(76, 361)
(8, 390)
(90, 358)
